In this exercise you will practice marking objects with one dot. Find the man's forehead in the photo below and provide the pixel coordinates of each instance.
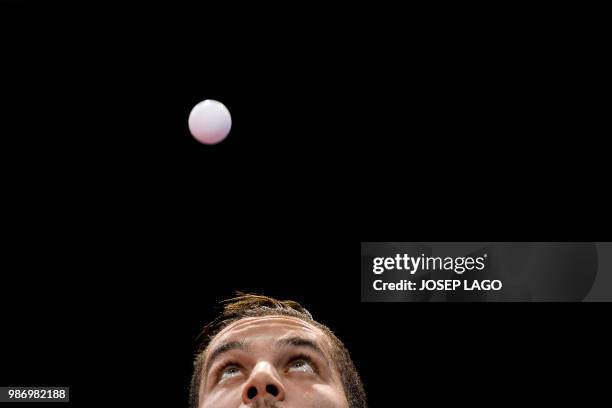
(240, 330)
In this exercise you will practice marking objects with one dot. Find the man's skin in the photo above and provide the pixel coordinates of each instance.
(274, 361)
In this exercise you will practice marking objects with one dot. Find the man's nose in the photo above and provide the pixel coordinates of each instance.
(263, 384)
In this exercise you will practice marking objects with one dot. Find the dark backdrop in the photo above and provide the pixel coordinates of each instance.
(351, 123)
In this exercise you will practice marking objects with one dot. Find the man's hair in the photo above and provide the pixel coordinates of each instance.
(250, 305)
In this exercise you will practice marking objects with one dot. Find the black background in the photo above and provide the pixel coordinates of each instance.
(350, 123)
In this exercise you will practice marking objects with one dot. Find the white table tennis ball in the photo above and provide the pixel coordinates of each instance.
(210, 121)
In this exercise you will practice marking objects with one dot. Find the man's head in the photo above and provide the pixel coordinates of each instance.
(262, 352)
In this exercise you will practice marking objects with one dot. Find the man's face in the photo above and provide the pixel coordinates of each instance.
(271, 361)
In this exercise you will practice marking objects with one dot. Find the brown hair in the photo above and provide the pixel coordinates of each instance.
(250, 305)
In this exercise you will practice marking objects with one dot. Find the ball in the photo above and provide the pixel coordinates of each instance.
(210, 122)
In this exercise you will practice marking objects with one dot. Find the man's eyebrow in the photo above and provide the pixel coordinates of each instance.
(223, 348)
(302, 342)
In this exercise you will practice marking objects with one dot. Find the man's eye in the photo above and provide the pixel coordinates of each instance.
(301, 366)
(229, 372)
